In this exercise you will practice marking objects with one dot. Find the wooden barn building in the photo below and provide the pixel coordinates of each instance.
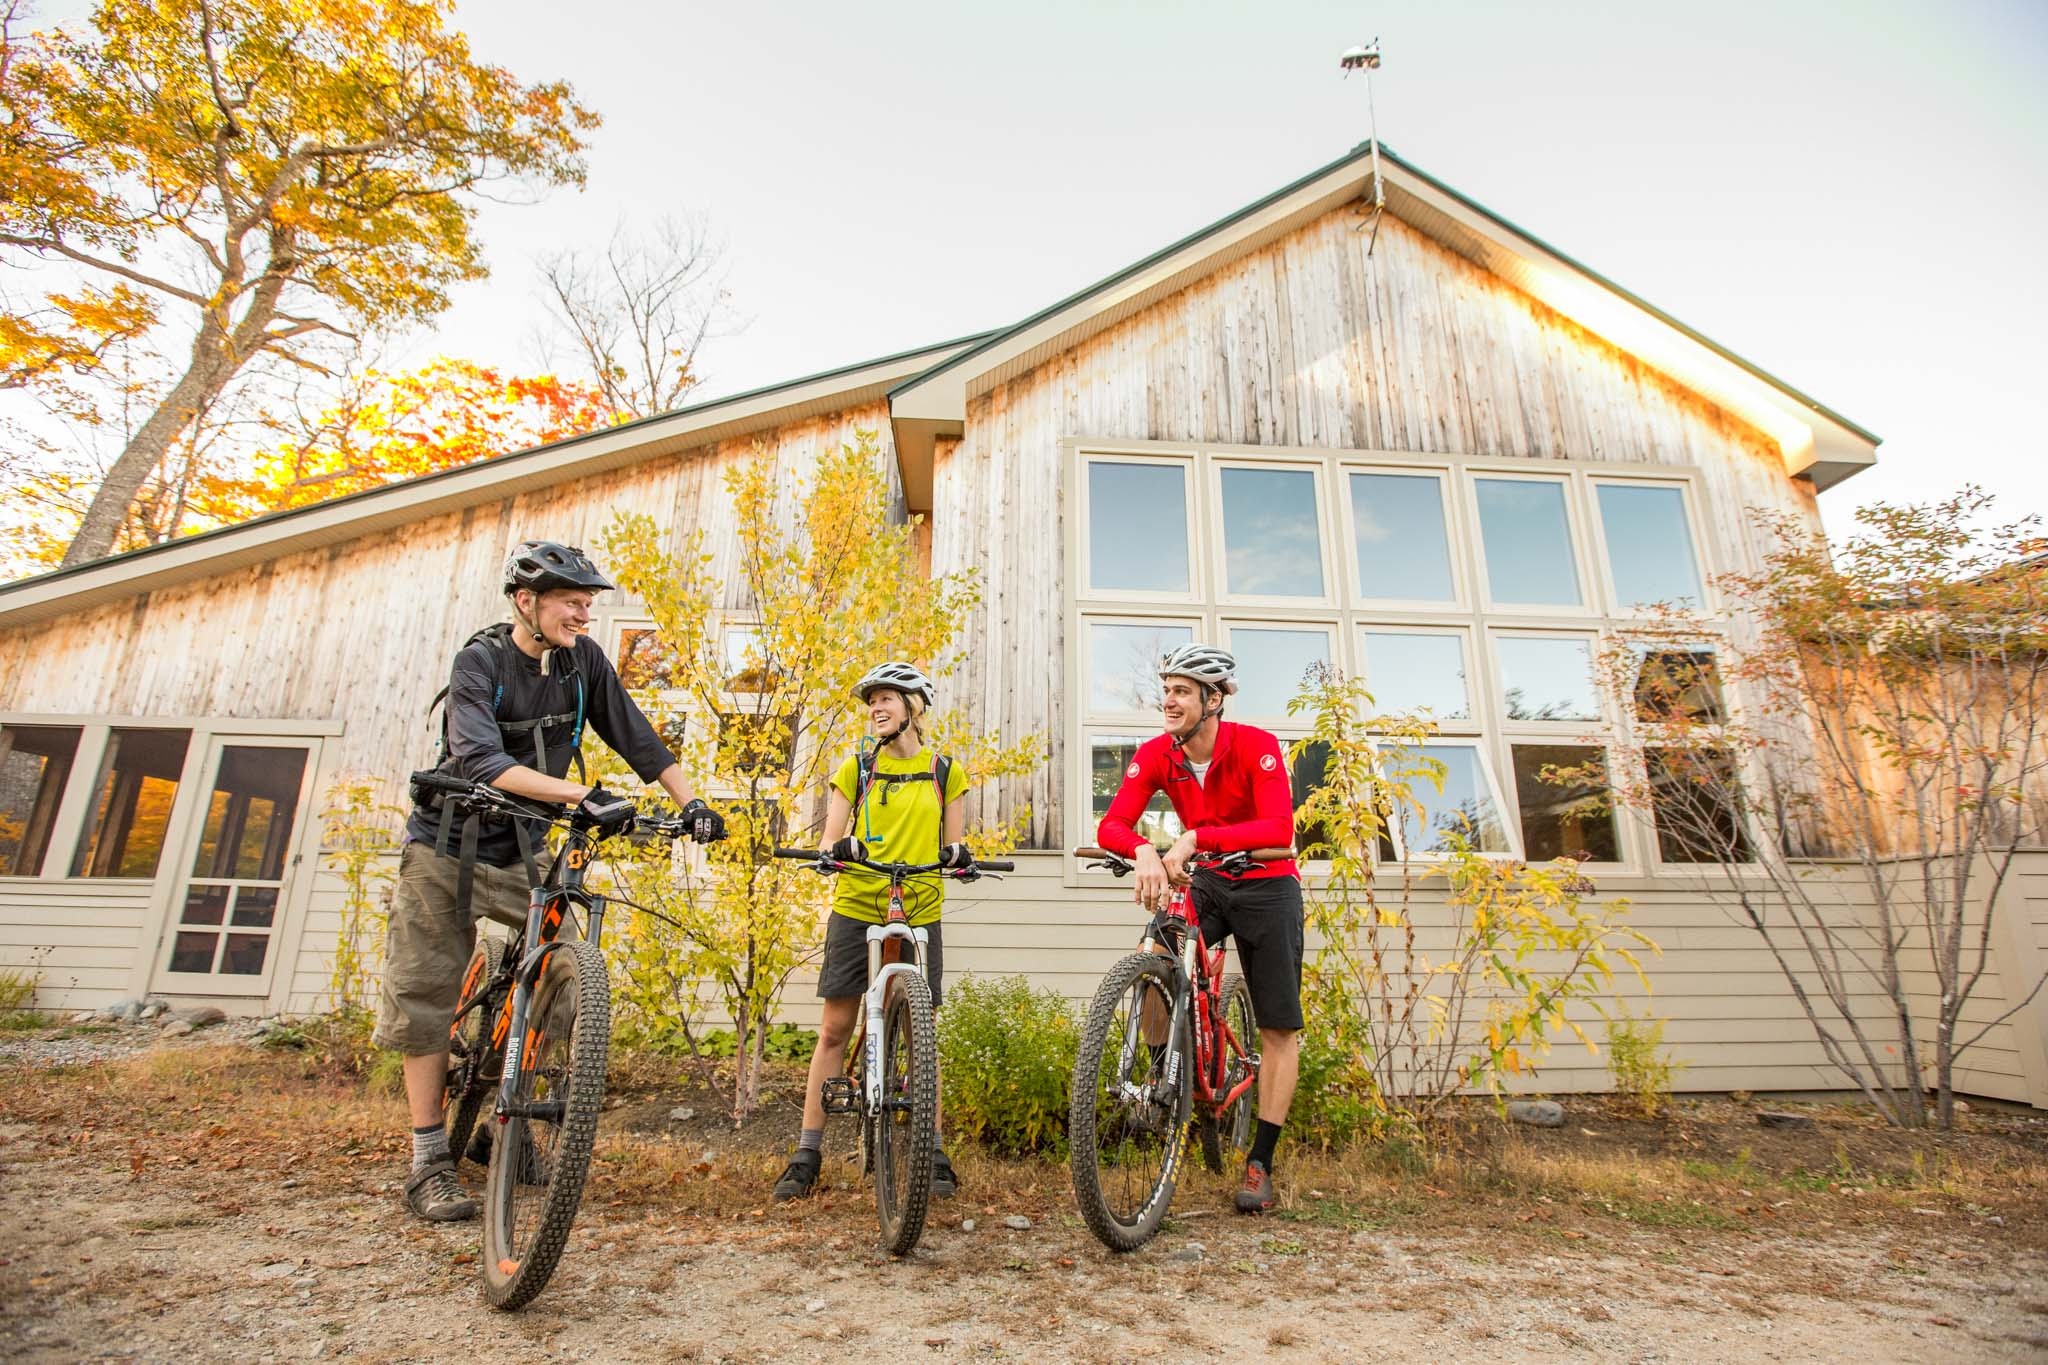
(1448, 464)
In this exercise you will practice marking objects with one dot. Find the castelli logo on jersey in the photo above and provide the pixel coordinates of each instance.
(1268, 762)
(1131, 771)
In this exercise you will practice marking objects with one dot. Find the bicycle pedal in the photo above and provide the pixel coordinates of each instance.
(838, 1095)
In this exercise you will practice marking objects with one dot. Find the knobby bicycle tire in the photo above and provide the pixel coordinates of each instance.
(470, 1082)
(1227, 1135)
(570, 1030)
(1114, 1142)
(905, 1135)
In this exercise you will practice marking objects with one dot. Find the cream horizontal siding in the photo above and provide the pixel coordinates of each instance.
(82, 938)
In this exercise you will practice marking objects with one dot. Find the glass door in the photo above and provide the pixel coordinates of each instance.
(227, 917)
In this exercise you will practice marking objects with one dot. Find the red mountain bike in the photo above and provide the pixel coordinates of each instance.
(1168, 1037)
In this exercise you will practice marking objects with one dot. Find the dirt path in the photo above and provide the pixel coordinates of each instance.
(184, 1264)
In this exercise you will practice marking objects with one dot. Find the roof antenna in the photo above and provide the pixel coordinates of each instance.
(1367, 59)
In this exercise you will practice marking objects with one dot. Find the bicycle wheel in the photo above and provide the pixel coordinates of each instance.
(1228, 1132)
(1127, 1123)
(538, 1164)
(905, 1130)
(473, 1069)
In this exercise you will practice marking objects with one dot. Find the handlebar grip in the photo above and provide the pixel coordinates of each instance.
(995, 865)
(434, 780)
(1271, 855)
(1090, 851)
(809, 855)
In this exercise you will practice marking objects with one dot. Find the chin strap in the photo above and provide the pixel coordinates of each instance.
(547, 649)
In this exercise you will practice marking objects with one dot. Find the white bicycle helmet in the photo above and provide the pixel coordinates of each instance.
(905, 678)
(1206, 664)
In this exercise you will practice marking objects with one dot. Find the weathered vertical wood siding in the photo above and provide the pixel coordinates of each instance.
(1304, 343)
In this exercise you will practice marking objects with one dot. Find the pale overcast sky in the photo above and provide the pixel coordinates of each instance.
(1849, 195)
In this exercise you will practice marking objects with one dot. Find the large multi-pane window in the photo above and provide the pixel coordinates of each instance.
(1482, 595)
(35, 761)
(131, 810)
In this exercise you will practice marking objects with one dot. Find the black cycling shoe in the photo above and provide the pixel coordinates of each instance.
(799, 1176)
(944, 1184)
(479, 1149)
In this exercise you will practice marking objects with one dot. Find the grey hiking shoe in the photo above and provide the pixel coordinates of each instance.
(433, 1193)
(944, 1184)
(799, 1176)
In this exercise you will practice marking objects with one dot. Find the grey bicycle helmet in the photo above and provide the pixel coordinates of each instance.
(1206, 664)
(905, 678)
(538, 565)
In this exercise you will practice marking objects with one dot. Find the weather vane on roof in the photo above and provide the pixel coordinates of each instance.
(1367, 59)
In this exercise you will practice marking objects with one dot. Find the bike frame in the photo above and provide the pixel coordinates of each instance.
(547, 909)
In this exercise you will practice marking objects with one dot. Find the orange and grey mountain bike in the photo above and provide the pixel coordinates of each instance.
(531, 1039)
(1168, 1036)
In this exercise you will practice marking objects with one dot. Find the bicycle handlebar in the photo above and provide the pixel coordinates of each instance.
(828, 863)
(1231, 864)
(481, 796)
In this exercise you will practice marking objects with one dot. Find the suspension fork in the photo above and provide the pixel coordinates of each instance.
(545, 910)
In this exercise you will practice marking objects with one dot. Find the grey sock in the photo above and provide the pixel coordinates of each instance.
(429, 1145)
(811, 1140)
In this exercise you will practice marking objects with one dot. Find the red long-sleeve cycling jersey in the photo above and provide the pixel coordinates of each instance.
(1244, 800)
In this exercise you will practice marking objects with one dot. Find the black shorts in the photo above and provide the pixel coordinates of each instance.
(846, 958)
(1265, 918)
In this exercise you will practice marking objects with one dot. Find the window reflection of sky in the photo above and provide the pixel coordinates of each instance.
(1465, 806)
(1528, 542)
(1402, 551)
(1137, 534)
(1407, 673)
(1123, 664)
(1547, 679)
(1108, 758)
(1271, 543)
(1649, 545)
(1271, 665)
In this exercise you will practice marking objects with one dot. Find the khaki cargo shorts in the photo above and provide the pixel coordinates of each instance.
(428, 944)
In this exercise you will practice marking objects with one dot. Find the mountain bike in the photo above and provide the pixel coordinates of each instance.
(531, 1037)
(1168, 1039)
(893, 1062)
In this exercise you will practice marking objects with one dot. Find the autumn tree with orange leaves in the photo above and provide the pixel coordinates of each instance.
(250, 176)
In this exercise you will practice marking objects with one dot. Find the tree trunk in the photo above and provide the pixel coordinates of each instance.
(201, 384)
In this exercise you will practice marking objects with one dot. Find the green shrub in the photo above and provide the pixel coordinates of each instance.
(1006, 1058)
(1641, 1077)
(18, 998)
(785, 1042)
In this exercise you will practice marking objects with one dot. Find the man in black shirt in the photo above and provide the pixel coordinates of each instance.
(518, 701)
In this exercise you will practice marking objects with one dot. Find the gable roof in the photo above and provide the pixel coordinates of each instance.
(356, 514)
(1815, 440)
(928, 388)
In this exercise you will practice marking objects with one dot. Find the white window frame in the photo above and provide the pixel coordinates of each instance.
(1455, 535)
(1193, 513)
(1220, 561)
(1474, 720)
(1282, 724)
(1575, 538)
(1614, 608)
(1084, 646)
(1511, 828)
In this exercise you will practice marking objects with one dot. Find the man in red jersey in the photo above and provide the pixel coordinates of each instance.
(1228, 783)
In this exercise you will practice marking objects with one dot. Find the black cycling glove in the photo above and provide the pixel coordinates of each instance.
(707, 826)
(847, 850)
(956, 856)
(606, 812)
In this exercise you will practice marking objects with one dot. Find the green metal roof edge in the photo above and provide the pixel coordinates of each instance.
(1362, 151)
(272, 518)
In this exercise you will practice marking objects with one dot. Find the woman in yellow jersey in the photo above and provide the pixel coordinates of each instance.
(895, 801)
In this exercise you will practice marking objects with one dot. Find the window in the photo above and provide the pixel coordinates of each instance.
(1468, 805)
(1109, 758)
(1678, 683)
(1476, 593)
(131, 809)
(35, 762)
(1272, 537)
(1527, 534)
(1566, 805)
(1272, 668)
(1547, 678)
(1649, 544)
(1138, 527)
(1693, 797)
(1397, 531)
(1123, 663)
(745, 658)
(229, 916)
(644, 660)
(1412, 672)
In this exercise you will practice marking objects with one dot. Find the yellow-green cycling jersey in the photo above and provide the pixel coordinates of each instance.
(898, 822)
